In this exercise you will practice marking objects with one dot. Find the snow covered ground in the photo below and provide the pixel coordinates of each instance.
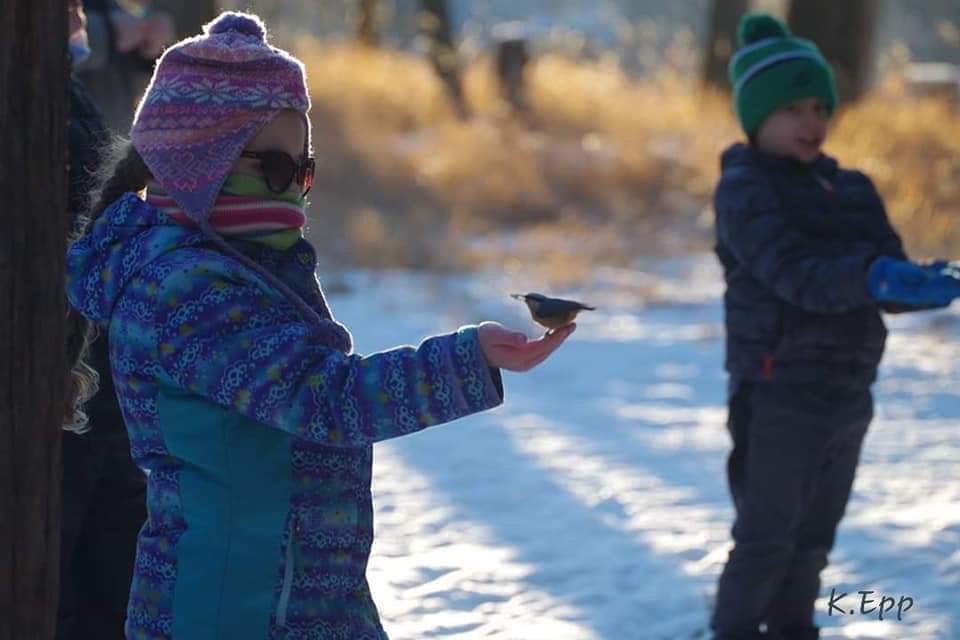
(593, 504)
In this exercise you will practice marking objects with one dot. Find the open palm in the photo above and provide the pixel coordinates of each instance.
(512, 350)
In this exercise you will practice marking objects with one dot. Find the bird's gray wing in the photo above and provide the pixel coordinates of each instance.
(556, 307)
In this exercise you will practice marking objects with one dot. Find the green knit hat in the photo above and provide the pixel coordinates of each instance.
(773, 68)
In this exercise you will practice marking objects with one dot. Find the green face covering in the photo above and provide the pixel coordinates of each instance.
(240, 184)
(252, 186)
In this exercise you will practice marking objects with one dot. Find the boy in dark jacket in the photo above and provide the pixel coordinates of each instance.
(810, 261)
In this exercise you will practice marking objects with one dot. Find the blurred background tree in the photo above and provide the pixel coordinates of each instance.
(721, 40)
(369, 20)
(846, 33)
(434, 21)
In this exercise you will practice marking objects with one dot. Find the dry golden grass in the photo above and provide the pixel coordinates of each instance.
(911, 149)
(601, 159)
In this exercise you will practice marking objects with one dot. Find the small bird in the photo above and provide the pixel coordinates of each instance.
(552, 313)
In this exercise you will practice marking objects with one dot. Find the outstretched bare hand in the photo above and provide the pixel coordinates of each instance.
(512, 350)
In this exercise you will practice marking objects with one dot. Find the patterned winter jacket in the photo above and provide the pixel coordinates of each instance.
(257, 441)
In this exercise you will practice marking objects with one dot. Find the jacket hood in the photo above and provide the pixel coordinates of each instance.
(129, 235)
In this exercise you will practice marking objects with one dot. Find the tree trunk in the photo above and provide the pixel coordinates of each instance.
(368, 22)
(721, 40)
(189, 16)
(844, 31)
(33, 181)
(435, 25)
(513, 56)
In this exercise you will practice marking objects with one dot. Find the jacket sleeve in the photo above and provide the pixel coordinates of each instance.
(888, 241)
(227, 340)
(753, 226)
(884, 235)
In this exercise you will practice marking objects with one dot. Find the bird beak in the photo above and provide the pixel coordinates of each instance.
(518, 296)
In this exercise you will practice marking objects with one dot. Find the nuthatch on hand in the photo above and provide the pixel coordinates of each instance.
(552, 313)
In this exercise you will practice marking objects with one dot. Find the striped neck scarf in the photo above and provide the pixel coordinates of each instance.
(244, 208)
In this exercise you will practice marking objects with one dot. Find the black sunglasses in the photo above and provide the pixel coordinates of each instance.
(280, 169)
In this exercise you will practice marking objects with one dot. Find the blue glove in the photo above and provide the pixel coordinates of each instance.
(903, 282)
(944, 267)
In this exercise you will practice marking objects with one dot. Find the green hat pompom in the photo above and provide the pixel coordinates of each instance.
(755, 27)
(773, 68)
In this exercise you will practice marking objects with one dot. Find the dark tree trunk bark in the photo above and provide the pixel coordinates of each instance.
(721, 40)
(33, 184)
(435, 24)
(844, 31)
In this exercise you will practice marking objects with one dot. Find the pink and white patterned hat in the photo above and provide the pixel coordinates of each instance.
(208, 97)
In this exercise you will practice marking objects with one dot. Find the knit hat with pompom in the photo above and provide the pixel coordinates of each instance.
(773, 68)
(209, 96)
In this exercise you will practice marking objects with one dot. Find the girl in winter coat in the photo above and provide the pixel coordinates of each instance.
(243, 401)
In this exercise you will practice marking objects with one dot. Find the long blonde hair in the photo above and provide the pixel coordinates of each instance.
(82, 380)
(122, 170)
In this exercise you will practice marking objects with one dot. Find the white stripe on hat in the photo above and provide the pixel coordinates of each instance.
(753, 47)
(766, 63)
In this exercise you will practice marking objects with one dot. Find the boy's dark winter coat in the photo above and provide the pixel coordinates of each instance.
(796, 242)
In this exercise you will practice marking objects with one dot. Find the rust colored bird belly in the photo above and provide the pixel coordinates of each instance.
(557, 320)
